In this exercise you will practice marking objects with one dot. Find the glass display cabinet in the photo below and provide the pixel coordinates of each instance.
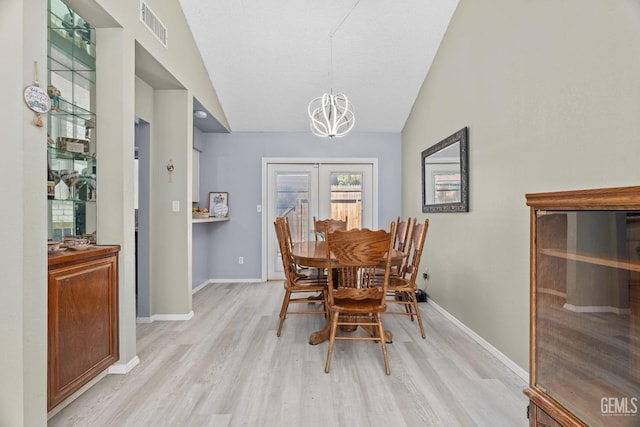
(585, 308)
(71, 142)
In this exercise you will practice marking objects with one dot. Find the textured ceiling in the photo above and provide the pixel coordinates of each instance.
(268, 58)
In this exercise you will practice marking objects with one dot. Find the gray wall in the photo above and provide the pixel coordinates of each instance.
(233, 163)
(550, 92)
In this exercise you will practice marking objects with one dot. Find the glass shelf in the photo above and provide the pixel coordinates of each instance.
(71, 144)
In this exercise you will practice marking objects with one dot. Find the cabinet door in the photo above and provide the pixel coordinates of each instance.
(83, 325)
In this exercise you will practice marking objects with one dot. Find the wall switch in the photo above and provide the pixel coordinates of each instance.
(240, 260)
(259, 208)
(175, 206)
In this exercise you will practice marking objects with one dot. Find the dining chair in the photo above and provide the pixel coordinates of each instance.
(402, 288)
(323, 226)
(402, 233)
(300, 270)
(355, 297)
(299, 288)
(400, 239)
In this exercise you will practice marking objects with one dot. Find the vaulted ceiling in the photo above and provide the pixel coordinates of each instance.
(268, 59)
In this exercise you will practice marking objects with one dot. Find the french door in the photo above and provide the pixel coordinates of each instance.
(303, 189)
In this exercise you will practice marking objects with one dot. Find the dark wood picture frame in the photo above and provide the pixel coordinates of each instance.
(457, 144)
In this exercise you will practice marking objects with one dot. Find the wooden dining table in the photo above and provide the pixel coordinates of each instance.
(314, 254)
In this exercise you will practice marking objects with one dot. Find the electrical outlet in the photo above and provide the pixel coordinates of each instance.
(240, 260)
(425, 275)
(175, 205)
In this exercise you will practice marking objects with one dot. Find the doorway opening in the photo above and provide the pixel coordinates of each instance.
(301, 189)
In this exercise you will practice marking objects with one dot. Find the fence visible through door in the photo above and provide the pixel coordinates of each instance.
(301, 191)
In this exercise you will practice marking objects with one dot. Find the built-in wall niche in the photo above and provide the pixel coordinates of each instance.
(71, 125)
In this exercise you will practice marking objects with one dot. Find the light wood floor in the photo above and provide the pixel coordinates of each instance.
(226, 367)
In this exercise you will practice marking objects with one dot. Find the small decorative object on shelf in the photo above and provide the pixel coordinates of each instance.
(75, 145)
(51, 183)
(54, 94)
(200, 213)
(219, 204)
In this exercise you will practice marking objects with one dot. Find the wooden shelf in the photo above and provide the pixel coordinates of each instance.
(626, 265)
(210, 219)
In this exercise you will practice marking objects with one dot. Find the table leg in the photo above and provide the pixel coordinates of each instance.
(321, 335)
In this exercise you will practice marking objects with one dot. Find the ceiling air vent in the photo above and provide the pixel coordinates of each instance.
(153, 23)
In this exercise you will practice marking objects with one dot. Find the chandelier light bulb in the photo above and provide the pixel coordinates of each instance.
(331, 115)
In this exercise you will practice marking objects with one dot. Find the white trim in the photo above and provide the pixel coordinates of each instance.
(204, 284)
(155, 317)
(200, 286)
(236, 281)
(596, 309)
(524, 375)
(76, 394)
(124, 368)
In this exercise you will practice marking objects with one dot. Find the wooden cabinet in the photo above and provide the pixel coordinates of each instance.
(82, 318)
(585, 308)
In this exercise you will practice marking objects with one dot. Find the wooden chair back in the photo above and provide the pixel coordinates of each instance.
(286, 247)
(403, 229)
(287, 232)
(414, 250)
(359, 252)
(322, 227)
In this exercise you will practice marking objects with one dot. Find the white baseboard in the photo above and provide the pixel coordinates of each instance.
(76, 394)
(155, 317)
(210, 281)
(235, 281)
(124, 368)
(200, 286)
(116, 368)
(484, 343)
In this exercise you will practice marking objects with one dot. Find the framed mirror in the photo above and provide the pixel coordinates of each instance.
(445, 175)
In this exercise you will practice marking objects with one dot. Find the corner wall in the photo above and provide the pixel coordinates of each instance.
(550, 93)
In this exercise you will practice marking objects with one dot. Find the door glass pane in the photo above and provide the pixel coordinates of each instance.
(292, 201)
(346, 197)
(292, 195)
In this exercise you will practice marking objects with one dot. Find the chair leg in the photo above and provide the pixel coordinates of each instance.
(283, 310)
(378, 318)
(325, 297)
(417, 309)
(332, 339)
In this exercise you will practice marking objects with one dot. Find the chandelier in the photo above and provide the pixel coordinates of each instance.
(332, 115)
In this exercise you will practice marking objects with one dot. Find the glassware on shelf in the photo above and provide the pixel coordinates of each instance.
(69, 177)
(51, 183)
